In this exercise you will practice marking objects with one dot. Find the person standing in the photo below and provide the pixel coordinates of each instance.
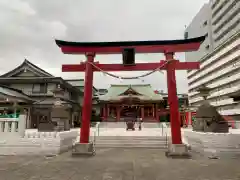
(140, 124)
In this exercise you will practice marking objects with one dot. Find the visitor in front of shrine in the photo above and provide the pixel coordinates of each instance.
(140, 124)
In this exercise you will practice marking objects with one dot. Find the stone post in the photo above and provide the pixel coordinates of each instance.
(22, 124)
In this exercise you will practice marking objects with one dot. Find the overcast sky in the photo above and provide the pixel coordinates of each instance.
(29, 27)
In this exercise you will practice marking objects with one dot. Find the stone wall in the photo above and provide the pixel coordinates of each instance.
(15, 140)
(213, 144)
(39, 143)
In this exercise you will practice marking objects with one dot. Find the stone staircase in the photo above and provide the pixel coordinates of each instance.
(113, 125)
(131, 142)
(123, 125)
(151, 125)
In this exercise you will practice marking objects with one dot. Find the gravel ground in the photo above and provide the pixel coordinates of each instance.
(118, 164)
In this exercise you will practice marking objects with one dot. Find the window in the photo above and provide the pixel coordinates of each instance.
(205, 23)
(207, 47)
(186, 35)
(39, 88)
(214, 4)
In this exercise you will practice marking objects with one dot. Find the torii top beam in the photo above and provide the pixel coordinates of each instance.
(184, 45)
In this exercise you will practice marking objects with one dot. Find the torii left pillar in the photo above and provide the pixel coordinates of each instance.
(175, 148)
(84, 147)
(87, 99)
(173, 99)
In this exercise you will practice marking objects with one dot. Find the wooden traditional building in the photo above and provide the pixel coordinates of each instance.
(13, 102)
(39, 90)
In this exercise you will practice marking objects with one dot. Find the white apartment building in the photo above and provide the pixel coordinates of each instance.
(219, 55)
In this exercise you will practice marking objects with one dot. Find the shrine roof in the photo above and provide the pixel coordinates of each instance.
(157, 46)
(28, 72)
(129, 43)
(27, 66)
(13, 93)
(142, 91)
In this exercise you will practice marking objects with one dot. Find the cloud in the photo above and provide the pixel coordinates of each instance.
(18, 6)
(29, 27)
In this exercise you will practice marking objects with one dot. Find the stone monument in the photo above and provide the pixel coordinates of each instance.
(61, 111)
(207, 117)
(60, 114)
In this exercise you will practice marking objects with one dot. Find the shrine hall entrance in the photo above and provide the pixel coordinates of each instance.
(146, 113)
(130, 100)
(130, 112)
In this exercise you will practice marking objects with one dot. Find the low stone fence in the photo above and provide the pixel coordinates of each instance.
(213, 144)
(12, 127)
(16, 140)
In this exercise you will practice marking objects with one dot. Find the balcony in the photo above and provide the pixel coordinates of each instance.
(39, 93)
(215, 57)
(223, 10)
(215, 4)
(227, 31)
(222, 62)
(230, 111)
(219, 81)
(232, 13)
(223, 92)
(223, 102)
(191, 94)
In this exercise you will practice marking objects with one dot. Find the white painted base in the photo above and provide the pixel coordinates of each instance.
(177, 150)
(80, 149)
(38, 144)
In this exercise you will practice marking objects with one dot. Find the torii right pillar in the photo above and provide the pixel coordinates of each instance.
(175, 148)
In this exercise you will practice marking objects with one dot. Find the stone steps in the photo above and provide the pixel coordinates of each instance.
(162, 147)
(129, 138)
(123, 125)
(130, 142)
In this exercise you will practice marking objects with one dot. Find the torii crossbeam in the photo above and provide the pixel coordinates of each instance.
(169, 48)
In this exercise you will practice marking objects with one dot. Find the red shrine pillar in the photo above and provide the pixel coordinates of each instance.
(87, 100)
(190, 117)
(142, 113)
(187, 118)
(157, 115)
(118, 113)
(173, 99)
(156, 112)
(104, 112)
(153, 114)
(107, 111)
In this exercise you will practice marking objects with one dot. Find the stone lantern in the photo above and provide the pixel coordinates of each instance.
(204, 91)
(207, 117)
(60, 111)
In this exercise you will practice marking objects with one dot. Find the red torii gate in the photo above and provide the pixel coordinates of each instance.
(168, 47)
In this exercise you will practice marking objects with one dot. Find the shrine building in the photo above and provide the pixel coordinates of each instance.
(140, 101)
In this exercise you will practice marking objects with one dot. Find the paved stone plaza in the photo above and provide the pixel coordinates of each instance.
(118, 164)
